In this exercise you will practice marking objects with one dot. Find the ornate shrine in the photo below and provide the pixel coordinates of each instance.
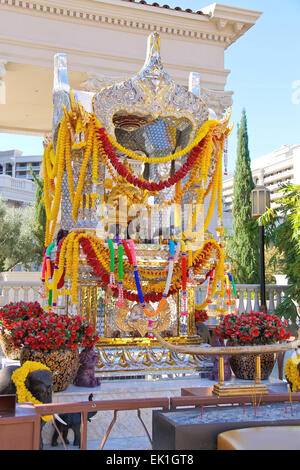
(132, 186)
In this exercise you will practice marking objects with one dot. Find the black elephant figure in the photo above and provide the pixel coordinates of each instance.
(85, 377)
(73, 421)
(39, 383)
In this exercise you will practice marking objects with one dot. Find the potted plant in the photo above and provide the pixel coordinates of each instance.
(53, 339)
(255, 328)
(10, 314)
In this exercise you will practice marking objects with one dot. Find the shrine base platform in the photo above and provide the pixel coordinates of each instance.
(128, 432)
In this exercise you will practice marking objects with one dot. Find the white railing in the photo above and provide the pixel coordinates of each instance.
(14, 291)
(247, 298)
(249, 294)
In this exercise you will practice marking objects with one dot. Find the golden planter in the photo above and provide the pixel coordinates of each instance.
(8, 347)
(63, 363)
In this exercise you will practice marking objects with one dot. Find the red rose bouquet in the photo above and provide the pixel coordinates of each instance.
(16, 311)
(252, 328)
(53, 331)
(201, 316)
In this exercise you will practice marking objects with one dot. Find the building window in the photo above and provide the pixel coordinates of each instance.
(8, 169)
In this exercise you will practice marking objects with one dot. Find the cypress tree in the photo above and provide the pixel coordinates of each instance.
(245, 243)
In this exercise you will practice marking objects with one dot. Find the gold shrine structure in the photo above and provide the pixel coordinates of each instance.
(132, 181)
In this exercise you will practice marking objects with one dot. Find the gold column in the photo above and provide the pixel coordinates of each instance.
(191, 327)
(258, 369)
(221, 370)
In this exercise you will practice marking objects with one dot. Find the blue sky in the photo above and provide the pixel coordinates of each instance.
(264, 64)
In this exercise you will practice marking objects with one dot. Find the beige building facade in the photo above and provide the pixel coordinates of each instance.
(105, 41)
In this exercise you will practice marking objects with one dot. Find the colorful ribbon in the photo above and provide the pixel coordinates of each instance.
(112, 282)
(120, 302)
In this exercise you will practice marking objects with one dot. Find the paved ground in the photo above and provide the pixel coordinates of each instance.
(130, 443)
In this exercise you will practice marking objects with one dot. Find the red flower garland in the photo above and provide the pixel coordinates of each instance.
(143, 184)
(103, 275)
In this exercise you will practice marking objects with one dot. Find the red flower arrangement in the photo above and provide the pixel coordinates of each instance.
(16, 311)
(252, 328)
(201, 316)
(53, 331)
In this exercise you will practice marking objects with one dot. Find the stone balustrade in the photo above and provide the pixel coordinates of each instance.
(247, 298)
(28, 291)
(14, 291)
(249, 294)
(17, 189)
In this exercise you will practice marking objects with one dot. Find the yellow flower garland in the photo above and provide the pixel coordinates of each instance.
(292, 373)
(206, 126)
(69, 257)
(19, 377)
(54, 166)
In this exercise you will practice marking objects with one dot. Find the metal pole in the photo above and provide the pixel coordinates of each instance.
(263, 303)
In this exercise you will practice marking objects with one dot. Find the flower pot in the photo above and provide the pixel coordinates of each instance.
(63, 364)
(8, 348)
(244, 366)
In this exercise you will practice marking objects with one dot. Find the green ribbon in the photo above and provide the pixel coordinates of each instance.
(50, 248)
(50, 298)
(233, 285)
(120, 261)
(112, 255)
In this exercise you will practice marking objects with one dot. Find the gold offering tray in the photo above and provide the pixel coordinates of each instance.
(228, 389)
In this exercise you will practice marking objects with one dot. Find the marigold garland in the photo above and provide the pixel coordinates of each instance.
(200, 134)
(292, 372)
(95, 139)
(19, 377)
(99, 257)
(150, 185)
(97, 146)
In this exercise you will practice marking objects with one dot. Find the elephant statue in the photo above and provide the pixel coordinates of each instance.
(39, 383)
(72, 421)
(85, 377)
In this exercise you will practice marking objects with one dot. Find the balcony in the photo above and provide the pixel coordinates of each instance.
(17, 189)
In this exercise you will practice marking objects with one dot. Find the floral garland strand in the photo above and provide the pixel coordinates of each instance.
(97, 256)
(138, 284)
(206, 126)
(120, 302)
(292, 372)
(102, 274)
(143, 184)
(112, 281)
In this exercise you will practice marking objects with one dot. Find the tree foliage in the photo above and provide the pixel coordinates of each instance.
(18, 246)
(243, 248)
(282, 226)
